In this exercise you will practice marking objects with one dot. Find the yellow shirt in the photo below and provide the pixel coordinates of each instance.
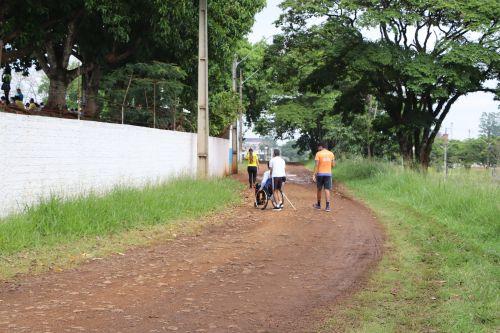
(19, 104)
(324, 161)
(255, 159)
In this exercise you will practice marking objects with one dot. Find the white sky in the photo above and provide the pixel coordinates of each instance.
(464, 115)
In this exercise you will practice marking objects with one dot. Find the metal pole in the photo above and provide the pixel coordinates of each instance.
(125, 98)
(234, 126)
(203, 124)
(154, 104)
(79, 97)
(445, 156)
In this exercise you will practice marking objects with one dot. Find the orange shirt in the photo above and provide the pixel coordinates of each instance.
(324, 162)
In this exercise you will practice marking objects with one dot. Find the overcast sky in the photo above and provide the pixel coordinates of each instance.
(464, 114)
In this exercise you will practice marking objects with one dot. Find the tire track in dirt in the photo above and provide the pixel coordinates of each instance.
(258, 271)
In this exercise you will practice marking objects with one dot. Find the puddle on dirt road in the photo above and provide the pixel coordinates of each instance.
(299, 179)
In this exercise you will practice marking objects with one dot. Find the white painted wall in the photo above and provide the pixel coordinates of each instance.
(43, 155)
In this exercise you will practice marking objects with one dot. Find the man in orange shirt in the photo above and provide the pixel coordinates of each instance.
(325, 161)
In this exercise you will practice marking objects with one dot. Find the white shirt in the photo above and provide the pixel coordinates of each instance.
(265, 177)
(278, 166)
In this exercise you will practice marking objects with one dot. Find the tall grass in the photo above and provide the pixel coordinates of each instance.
(442, 273)
(56, 221)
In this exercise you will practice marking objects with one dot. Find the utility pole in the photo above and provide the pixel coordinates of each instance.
(240, 137)
(234, 126)
(203, 125)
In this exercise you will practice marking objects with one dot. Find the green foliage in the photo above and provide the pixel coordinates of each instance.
(111, 34)
(480, 151)
(440, 272)
(428, 54)
(290, 151)
(149, 81)
(224, 108)
(258, 89)
(312, 118)
(489, 125)
(56, 221)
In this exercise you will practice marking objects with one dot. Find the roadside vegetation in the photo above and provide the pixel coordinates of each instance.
(50, 233)
(440, 272)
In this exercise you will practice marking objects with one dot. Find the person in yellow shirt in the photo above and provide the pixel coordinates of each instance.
(252, 166)
(32, 105)
(18, 103)
(325, 161)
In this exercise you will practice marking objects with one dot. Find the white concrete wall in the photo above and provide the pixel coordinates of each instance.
(42, 155)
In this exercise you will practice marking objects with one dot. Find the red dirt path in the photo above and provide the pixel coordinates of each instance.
(258, 271)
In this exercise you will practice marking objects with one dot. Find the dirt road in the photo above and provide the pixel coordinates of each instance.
(257, 272)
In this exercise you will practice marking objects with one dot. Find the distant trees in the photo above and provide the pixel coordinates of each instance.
(291, 152)
(466, 153)
(484, 150)
(489, 125)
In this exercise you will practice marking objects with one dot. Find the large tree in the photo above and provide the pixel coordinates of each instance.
(105, 35)
(426, 56)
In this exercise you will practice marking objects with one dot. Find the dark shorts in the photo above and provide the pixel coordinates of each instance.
(278, 182)
(324, 182)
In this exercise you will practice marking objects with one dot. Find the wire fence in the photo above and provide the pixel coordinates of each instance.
(147, 109)
(130, 113)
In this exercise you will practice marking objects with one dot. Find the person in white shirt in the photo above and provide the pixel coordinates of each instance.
(277, 166)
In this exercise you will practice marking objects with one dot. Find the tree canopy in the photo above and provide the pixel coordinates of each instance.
(415, 58)
(107, 35)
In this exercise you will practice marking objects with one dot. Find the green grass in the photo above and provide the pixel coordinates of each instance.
(440, 272)
(55, 223)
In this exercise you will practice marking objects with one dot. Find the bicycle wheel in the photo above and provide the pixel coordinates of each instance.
(261, 199)
(277, 198)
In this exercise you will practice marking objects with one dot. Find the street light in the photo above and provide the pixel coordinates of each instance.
(234, 127)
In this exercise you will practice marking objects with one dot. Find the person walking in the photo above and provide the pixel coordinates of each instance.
(252, 167)
(324, 162)
(277, 166)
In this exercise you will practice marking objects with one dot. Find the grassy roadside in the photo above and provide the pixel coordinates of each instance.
(58, 234)
(440, 272)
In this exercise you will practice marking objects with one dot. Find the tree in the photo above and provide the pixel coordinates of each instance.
(428, 54)
(106, 35)
(289, 150)
(489, 125)
(154, 88)
(224, 108)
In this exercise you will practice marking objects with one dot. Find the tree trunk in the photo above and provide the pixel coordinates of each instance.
(57, 93)
(425, 159)
(54, 57)
(90, 85)
(406, 148)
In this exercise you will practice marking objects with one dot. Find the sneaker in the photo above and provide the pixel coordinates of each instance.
(277, 208)
(316, 206)
(328, 209)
